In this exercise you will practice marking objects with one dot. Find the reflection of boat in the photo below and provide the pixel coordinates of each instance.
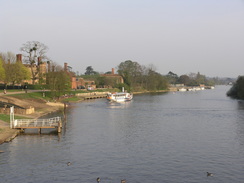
(119, 97)
(182, 89)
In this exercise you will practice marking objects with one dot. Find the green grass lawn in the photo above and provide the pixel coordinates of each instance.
(6, 118)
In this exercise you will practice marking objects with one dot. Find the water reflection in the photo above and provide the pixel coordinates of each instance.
(119, 105)
(154, 138)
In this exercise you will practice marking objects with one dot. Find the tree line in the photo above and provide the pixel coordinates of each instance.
(136, 77)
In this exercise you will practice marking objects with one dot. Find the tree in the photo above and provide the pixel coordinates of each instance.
(35, 51)
(90, 71)
(58, 82)
(184, 79)
(155, 81)
(2, 71)
(237, 90)
(200, 79)
(172, 77)
(8, 57)
(131, 73)
(16, 73)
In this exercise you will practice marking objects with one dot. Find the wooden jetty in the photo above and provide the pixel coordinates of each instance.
(39, 124)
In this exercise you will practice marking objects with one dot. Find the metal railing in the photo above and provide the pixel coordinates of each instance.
(51, 122)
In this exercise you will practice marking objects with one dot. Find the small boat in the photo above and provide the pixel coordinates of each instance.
(119, 97)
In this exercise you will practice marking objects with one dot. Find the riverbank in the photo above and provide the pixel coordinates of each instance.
(42, 108)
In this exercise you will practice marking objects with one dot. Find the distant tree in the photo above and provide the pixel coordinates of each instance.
(184, 79)
(90, 71)
(131, 73)
(33, 51)
(156, 81)
(172, 77)
(237, 90)
(200, 79)
(8, 57)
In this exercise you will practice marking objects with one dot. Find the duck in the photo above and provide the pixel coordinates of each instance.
(209, 174)
(69, 163)
(98, 179)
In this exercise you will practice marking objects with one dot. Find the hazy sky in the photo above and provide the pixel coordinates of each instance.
(181, 36)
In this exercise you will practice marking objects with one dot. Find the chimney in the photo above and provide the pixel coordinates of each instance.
(19, 58)
(65, 67)
(112, 70)
(39, 60)
(48, 66)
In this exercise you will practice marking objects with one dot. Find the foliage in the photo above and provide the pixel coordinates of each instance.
(37, 87)
(122, 85)
(2, 71)
(90, 71)
(184, 79)
(16, 73)
(237, 90)
(58, 82)
(131, 73)
(138, 77)
(172, 77)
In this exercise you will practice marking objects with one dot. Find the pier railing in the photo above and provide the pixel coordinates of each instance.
(55, 122)
(36, 123)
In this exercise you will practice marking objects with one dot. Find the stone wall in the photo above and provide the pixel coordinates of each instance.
(18, 111)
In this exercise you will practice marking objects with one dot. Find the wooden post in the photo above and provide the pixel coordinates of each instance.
(59, 126)
(65, 106)
(39, 130)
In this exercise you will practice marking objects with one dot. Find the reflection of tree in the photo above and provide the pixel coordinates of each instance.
(240, 124)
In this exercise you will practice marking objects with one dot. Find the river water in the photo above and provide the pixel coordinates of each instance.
(156, 138)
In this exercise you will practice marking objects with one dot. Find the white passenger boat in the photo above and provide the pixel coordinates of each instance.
(119, 97)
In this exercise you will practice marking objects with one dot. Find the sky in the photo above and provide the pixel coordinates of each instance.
(181, 36)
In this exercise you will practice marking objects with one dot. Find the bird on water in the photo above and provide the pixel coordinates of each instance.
(98, 180)
(209, 174)
(69, 163)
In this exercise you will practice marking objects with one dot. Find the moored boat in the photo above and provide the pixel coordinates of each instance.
(119, 97)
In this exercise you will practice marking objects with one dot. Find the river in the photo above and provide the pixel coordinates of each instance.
(156, 138)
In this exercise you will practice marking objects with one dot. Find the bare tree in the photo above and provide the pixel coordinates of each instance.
(34, 51)
(8, 57)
